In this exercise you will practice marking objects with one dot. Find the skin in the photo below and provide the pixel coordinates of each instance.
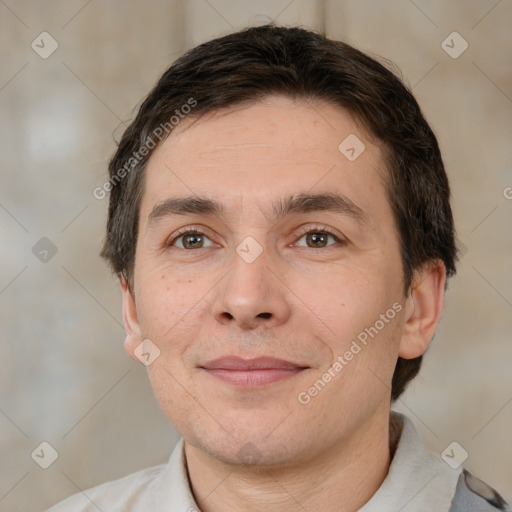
(299, 300)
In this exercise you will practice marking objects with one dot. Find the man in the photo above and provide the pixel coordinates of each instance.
(280, 223)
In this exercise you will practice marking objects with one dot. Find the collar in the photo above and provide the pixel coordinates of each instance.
(417, 480)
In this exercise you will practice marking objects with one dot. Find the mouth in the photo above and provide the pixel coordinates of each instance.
(250, 373)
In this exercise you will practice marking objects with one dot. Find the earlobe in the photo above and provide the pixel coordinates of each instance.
(130, 320)
(424, 309)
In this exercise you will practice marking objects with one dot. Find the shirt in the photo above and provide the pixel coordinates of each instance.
(417, 481)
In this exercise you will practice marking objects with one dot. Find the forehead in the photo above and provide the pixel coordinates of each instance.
(272, 148)
(273, 123)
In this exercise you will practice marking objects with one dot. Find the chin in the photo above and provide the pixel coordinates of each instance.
(251, 445)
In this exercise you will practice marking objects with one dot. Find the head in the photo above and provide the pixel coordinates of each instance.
(254, 136)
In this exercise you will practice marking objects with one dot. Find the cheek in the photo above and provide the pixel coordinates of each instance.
(172, 392)
(168, 312)
(175, 314)
(353, 309)
(164, 300)
(344, 299)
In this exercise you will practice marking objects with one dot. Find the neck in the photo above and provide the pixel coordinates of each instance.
(341, 478)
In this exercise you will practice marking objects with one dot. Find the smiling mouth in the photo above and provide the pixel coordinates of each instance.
(251, 373)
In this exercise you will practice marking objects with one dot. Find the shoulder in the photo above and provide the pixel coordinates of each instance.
(131, 493)
(471, 494)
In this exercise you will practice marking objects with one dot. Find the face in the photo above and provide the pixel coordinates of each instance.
(268, 280)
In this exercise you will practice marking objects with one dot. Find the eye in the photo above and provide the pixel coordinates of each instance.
(190, 239)
(318, 238)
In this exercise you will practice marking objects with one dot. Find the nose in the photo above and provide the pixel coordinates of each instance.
(251, 295)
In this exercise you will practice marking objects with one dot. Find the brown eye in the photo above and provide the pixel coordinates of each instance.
(317, 239)
(191, 240)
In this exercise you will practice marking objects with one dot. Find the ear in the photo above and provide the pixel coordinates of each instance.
(423, 310)
(130, 320)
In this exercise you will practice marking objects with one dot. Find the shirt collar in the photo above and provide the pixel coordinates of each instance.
(417, 479)
(174, 492)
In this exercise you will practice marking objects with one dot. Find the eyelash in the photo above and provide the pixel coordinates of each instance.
(318, 228)
(302, 232)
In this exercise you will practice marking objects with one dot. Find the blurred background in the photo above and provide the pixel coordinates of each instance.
(72, 74)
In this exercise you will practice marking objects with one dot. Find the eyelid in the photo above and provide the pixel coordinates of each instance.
(199, 230)
(312, 228)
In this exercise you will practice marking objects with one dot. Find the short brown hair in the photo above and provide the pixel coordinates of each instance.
(259, 61)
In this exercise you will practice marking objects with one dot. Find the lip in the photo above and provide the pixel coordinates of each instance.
(251, 372)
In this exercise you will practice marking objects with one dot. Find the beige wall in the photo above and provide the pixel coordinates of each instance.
(64, 377)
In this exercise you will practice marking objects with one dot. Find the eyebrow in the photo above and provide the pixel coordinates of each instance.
(293, 204)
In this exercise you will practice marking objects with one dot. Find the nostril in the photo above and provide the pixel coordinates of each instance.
(229, 316)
